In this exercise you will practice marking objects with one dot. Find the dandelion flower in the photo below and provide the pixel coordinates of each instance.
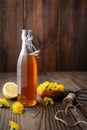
(4, 103)
(61, 87)
(13, 125)
(42, 87)
(17, 107)
(48, 100)
(52, 86)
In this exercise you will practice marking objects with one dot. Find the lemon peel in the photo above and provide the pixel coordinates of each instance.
(10, 90)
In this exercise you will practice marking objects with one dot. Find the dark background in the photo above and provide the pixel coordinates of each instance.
(59, 29)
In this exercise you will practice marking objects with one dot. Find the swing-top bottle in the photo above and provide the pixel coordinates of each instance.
(27, 71)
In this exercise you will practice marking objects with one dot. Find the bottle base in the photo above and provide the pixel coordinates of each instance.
(26, 102)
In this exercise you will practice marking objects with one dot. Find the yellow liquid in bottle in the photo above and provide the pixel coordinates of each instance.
(28, 76)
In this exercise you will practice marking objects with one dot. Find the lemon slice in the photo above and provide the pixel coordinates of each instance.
(10, 90)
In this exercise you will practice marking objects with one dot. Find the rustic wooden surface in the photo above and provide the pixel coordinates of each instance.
(41, 117)
(59, 29)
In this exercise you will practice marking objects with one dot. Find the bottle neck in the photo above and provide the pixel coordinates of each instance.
(23, 44)
(27, 46)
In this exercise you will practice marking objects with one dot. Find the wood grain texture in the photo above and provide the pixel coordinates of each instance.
(59, 31)
(42, 18)
(11, 26)
(73, 35)
(41, 117)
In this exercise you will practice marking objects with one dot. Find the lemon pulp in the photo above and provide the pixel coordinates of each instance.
(10, 90)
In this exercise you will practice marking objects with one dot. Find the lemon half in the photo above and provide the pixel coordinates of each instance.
(10, 90)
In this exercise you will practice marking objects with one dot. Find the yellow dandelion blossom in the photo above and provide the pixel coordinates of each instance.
(4, 103)
(17, 107)
(48, 100)
(46, 83)
(13, 125)
(61, 87)
(42, 87)
(52, 86)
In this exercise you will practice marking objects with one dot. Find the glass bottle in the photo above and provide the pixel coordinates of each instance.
(27, 71)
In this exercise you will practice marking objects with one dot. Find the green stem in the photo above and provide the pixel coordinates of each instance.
(12, 128)
(1, 105)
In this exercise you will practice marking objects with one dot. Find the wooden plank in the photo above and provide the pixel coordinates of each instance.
(59, 31)
(2, 49)
(72, 38)
(42, 18)
(41, 117)
(12, 18)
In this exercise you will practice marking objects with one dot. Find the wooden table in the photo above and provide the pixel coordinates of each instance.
(41, 117)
